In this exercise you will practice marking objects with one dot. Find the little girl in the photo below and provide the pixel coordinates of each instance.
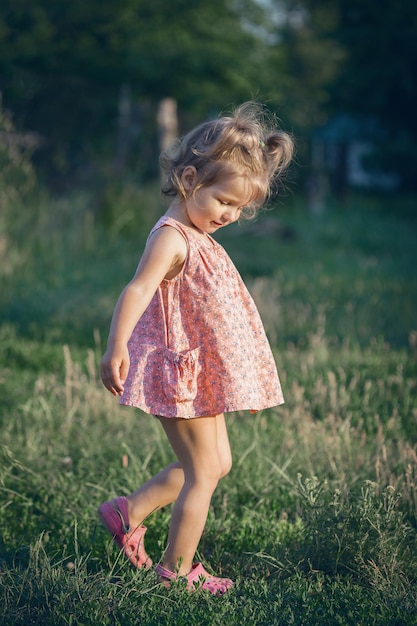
(186, 342)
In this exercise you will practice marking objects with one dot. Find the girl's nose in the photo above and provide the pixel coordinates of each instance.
(231, 215)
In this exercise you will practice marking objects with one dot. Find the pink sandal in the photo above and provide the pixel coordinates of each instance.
(197, 578)
(114, 517)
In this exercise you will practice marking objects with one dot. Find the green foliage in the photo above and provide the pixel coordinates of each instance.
(17, 175)
(311, 58)
(363, 534)
(63, 66)
(356, 57)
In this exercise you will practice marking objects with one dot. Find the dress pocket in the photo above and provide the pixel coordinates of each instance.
(181, 370)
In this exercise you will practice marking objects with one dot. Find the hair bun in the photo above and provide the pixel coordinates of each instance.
(280, 148)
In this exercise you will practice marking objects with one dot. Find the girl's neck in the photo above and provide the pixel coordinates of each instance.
(178, 212)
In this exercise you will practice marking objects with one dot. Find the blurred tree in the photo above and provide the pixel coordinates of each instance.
(67, 66)
(310, 57)
(59, 64)
(357, 57)
(64, 64)
(378, 77)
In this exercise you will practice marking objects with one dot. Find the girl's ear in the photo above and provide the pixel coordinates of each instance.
(189, 177)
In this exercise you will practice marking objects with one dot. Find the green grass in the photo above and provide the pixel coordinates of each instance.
(316, 522)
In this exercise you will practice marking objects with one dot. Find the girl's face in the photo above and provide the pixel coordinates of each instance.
(210, 208)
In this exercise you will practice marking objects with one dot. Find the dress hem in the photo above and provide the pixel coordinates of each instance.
(149, 411)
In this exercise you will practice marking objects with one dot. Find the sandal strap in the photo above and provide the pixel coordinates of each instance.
(125, 526)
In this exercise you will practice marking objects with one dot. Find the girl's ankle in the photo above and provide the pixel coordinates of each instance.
(178, 569)
(134, 521)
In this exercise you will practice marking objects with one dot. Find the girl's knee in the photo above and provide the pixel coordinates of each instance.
(208, 477)
(218, 471)
(225, 466)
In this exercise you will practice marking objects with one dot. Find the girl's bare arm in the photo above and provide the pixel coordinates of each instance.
(165, 252)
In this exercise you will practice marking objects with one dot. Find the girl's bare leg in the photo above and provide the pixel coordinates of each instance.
(164, 488)
(203, 451)
(160, 490)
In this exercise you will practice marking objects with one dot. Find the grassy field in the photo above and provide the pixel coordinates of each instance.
(316, 522)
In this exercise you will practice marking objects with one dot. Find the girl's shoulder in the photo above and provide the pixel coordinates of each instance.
(193, 238)
(165, 245)
(168, 230)
(165, 220)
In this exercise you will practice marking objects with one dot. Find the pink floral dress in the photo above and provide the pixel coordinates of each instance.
(200, 347)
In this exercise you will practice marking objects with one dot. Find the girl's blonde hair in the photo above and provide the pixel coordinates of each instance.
(243, 144)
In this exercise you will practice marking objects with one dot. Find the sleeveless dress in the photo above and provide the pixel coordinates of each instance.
(200, 348)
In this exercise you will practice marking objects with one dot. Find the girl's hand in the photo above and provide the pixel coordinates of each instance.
(114, 369)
